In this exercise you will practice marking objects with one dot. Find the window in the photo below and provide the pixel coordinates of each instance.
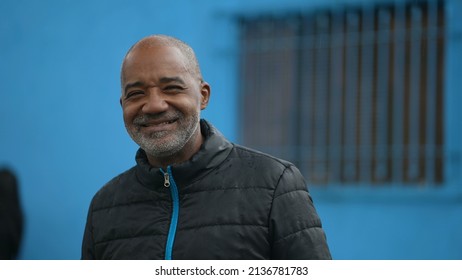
(351, 95)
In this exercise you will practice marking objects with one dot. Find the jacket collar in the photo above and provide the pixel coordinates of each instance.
(212, 153)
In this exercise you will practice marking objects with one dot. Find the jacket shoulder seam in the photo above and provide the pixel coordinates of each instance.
(294, 233)
(291, 191)
(258, 153)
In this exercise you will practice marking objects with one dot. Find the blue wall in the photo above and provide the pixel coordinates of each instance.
(62, 131)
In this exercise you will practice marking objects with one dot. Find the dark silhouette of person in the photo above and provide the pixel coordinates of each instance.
(11, 216)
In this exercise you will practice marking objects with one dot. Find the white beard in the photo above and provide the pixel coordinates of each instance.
(160, 144)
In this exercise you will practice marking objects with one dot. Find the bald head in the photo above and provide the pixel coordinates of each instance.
(153, 41)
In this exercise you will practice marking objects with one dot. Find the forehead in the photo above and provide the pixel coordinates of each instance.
(151, 62)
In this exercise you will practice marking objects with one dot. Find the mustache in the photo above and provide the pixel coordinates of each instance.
(149, 118)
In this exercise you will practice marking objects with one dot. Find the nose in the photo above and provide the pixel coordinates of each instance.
(155, 102)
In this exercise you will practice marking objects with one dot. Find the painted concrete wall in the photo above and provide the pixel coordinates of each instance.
(61, 127)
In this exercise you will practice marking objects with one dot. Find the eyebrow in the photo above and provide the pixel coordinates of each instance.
(163, 80)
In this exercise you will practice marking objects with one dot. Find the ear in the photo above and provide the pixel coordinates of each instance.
(205, 95)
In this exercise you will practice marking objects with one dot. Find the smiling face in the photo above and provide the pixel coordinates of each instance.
(161, 101)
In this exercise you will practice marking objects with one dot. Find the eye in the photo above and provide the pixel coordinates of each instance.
(133, 94)
(173, 88)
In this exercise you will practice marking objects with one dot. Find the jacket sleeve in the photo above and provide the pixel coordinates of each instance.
(295, 226)
(88, 252)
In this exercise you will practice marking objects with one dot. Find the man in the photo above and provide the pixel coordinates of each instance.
(192, 193)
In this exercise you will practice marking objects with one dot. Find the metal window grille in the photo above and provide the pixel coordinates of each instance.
(351, 95)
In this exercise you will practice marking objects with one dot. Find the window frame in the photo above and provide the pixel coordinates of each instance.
(451, 149)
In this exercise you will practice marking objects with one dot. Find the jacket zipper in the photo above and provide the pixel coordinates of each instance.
(169, 182)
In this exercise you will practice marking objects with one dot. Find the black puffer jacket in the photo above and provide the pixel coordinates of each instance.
(227, 202)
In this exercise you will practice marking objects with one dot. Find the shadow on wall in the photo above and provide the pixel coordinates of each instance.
(11, 216)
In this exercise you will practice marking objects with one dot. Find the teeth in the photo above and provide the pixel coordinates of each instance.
(167, 122)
